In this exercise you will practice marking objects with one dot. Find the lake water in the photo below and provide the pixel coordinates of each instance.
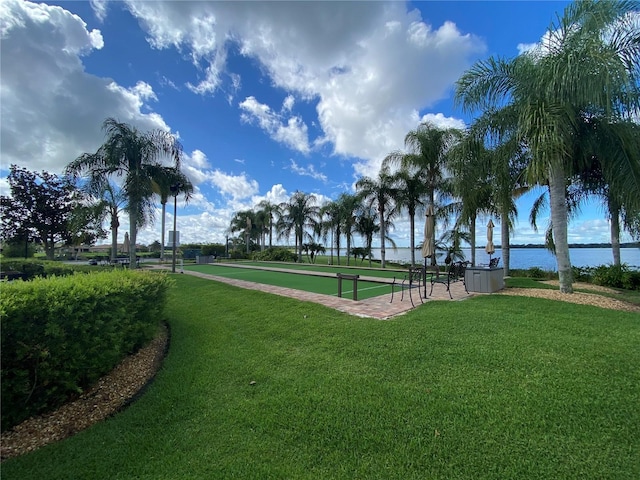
(524, 258)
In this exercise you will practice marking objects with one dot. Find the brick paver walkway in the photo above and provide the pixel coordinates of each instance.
(380, 307)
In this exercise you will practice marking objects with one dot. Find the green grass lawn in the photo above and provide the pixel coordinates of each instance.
(494, 387)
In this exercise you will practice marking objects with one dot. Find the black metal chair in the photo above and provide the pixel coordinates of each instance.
(455, 272)
(493, 263)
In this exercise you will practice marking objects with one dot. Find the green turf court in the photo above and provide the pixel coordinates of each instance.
(325, 285)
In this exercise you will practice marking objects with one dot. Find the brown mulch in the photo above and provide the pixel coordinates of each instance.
(582, 298)
(116, 390)
(112, 393)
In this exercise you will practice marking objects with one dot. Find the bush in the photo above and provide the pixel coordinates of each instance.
(616, 276)
(60, 334)
(17, 250)
(33, 268)
(275, 254)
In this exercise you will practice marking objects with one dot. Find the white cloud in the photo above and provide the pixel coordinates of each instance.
(368, 64)
(99, 8)
(237, 187)
(308, 171)
(439, 120)
(51, 109)
(291, 132)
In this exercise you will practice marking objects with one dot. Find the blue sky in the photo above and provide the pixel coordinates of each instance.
(266, 97)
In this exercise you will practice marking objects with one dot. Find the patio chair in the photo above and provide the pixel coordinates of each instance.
(493, 263)
(455, 272)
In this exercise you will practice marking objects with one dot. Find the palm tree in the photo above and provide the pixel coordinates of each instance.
(601, 140)
(588, 64)
(135, 156)
(428, 148)
(380, 193)
(348, 206)
(271, 211)
(245, 222)
(109, 201)
(367, 226)
(298, 214)
(411, 188)
(330, 225)
(162, 186)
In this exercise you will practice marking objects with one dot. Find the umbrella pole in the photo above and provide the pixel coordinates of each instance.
(424, 278)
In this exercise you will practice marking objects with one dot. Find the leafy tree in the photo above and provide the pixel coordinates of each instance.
(39, 208)
(587, 65)
(135, 156)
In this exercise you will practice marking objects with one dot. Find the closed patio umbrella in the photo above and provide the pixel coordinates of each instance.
(428, 247)
(490, 249)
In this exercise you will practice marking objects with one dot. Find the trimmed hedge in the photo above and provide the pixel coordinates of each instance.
(61, 334)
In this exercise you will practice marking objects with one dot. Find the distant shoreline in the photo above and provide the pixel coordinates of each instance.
(577, 245)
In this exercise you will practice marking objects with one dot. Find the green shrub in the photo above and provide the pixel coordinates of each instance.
(30, 267)
(60, 334)
(275, 254)
(582, 274)
(616, 276)
(17, 250)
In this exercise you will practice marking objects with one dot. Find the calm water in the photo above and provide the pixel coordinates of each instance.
(533, 257)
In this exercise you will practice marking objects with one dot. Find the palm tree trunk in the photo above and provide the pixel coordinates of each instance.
(615, 233)
(383, 235)
(412, 237)
(558, 205)
(133, 233)
(504, 241)
(472, 234)
(164, 208)
(114, 241)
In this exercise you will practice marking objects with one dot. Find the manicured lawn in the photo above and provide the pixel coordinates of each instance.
(493, 387)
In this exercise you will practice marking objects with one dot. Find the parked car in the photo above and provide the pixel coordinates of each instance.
(93, 261)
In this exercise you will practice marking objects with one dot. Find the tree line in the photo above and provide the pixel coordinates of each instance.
(47, 209)
(562, 117)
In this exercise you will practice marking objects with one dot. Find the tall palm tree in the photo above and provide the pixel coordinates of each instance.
(348, 206)
(588, 63)
(244, 222)
(428, 147)
(162, 185)
(330, 226)
(412, 189)
(135, 156)
(298, 215)
(271, 211)
(380, 193)
(367, 226)
(602, 140)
